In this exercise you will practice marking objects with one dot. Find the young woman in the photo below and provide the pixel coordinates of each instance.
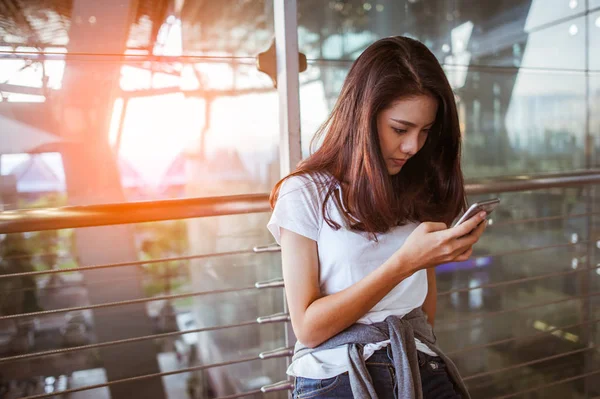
(363, 222)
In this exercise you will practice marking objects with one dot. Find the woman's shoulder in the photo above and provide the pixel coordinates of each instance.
(315, 184)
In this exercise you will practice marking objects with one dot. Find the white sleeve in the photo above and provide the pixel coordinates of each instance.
(298, 209)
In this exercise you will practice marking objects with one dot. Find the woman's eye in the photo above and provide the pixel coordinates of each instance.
(399, 131)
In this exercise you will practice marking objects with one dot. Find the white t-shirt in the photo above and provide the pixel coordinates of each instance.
(345, 257)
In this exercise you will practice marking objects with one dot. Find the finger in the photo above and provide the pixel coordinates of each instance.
(465, 255)
(472, 237)
(462, 246)
(478, 231)
(481, 228)
(467, 226)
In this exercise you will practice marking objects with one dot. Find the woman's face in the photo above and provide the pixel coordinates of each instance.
(403, 129)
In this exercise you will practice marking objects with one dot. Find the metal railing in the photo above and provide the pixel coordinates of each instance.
(111, 214)
(68, 217)
(25, 220)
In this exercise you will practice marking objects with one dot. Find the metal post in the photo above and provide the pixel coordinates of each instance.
(286, 50)
(590, 193)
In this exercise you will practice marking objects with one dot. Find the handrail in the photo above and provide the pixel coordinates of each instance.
(504, 184)
(67, 217)
(25, 220)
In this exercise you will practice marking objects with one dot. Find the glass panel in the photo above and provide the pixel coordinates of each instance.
(594, 40)
(516, 121)
(530, 303)
(527, 378)
(521, 121)
(224, 27)
(215, 134)
(518, 71)
(199, 128)
(534, 219)
(594, 115)
(227, 27)
(557, 46)
(593, 4)
(544, 12)
(539, 236)
(30, 180)
(548, 324)
(149, 108)
(29, 24)
(206, 239)
(521, 33)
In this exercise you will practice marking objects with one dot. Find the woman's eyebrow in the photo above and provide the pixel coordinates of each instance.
(407, 123)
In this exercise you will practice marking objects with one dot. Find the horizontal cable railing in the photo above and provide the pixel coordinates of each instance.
(122, 264)
(265, 389)
(549, 331)
(258, 249)
(279, 282)
(516, 281)
(525, 364)
(276, 248)
(129, 302)
(537, 388)
(481, 316)
(137, 212)
(278, 318)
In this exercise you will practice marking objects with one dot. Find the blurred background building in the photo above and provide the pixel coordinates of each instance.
(160, 101)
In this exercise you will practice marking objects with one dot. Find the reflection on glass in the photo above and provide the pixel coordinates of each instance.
(522, 306)
(226, 28)
(174, 125)
(168, 104)
(543, 12)
(535, 33)
(557, 46)
(198, 126)
(204, 123)
(530, 122)
(518, 71)
(594, 92)
(594, 40)
(515, 121)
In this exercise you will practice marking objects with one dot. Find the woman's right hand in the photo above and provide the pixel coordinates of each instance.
(432, 244)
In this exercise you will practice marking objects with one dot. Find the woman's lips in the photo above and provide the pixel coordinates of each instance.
(399, 162)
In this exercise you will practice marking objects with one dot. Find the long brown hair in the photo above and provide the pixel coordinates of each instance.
(430, 186)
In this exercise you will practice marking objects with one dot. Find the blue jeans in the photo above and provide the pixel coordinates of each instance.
(435, 380)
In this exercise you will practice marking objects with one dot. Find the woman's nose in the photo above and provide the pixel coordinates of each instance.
(410, 143)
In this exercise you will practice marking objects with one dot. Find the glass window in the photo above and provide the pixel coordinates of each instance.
(516, 33)
(594, 41)
(513, 121)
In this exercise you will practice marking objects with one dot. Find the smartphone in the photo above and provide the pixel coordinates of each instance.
(488, 206)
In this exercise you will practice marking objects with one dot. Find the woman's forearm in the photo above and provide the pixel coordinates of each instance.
(328, 315)
(430, 304)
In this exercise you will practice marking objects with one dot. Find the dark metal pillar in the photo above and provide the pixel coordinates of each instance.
(90, 85)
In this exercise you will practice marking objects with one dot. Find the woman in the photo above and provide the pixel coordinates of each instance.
(362, 223)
